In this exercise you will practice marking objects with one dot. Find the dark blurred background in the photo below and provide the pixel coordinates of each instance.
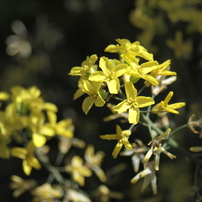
(61, 34)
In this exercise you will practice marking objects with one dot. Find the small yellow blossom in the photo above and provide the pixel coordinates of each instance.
(87, 67)
(181, 49)
(93, 89)
(163, 106)
(109, 74)
(161, 71)
(29, 160)
(93, 162)
(121, 137)
(63, 127)
(46, 193)
(20, 185)
(40, 131)
(140, 71)
(78, 170)
(104, 194)
(133, 103)
(125, 46)
(156, 149)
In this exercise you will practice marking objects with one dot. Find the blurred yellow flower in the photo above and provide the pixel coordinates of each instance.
(93, 162)
(40, 130)
(121, 137)
(20, 185)
(78, 170)
(29, 160)
(133, 103)
(63, 127)
(181, 49)
(45, 193)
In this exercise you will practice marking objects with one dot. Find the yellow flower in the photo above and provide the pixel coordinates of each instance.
(163, 106)
(27, 155)
(46, 193)
(161, 71)
(78, 170)
(140, 71)
(20, 185)
(110, 73)
(133, 103)
(181, 49)
(63, 127)
(93, 89)
(156, 149)
(40, 130)
(104, 194)
(93, 162)
(87, 67)
(125, 46)
(29, 99)
(121, 137)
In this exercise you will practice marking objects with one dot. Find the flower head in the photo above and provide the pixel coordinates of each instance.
(163, 106)
(121, 137)
(109, 74)
(29, 160)
(78, 171)
(94, 91)
(133, 103)
(20, 185)
(93, 162)
(87, 67)
(46, 192)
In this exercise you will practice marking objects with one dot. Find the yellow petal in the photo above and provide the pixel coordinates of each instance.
(113, 86)
(131, 91)
(109, 137)
(19, 152)
(134, 115)
(99, 102)
(38, 140)
(144, 101)
(26, 167)
(87, 104)
(121, 107)
(117, 149)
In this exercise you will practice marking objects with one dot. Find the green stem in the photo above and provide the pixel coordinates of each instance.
(177, 129)
(54, 172)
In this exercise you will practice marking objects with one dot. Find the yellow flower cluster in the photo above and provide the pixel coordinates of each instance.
(135, 64)
(121, 79)
(23, 119)
(155, 18)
